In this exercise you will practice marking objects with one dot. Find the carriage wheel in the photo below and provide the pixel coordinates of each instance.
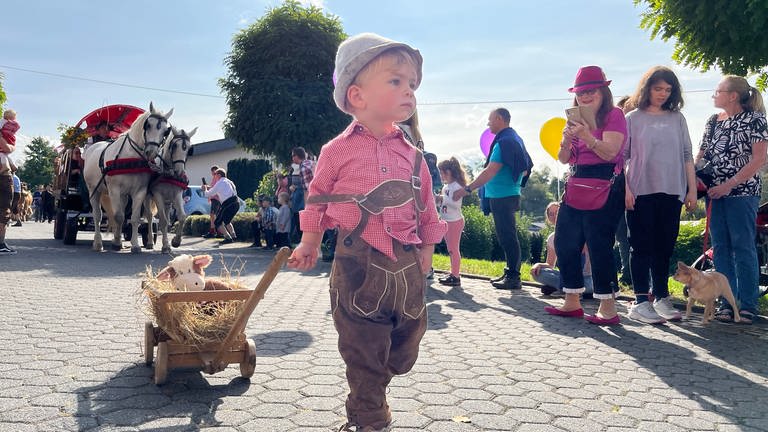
(70, 231)
(161, 365)
(58, 224)
(149, 342)
(248, 366)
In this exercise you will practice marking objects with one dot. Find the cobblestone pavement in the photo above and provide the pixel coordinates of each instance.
(71, 336)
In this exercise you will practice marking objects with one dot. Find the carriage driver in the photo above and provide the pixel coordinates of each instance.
(226, 192)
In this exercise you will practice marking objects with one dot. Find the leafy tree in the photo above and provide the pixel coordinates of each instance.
(246, 174)
(729, 34)
(535, 196)
(38, 166)
(279, 84)
(2, 92)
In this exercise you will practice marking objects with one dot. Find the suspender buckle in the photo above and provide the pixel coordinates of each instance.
(416, 182)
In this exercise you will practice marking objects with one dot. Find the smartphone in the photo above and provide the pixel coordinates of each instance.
(204, 182)
(581, 114)
(573, 114)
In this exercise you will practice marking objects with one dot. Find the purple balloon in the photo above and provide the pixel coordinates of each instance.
(486, 139)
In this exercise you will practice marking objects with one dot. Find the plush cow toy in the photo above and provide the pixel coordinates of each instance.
(186, 273)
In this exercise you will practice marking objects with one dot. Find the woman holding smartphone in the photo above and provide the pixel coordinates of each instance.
(596, 155)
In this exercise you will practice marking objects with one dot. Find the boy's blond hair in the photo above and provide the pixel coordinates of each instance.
(390, 57)
(9, 114)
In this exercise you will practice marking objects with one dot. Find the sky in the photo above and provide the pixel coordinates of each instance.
(478, 56)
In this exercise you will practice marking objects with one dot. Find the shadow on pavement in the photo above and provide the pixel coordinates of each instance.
(188, 401)
(130, 399)
(280, 343)
(739, 396)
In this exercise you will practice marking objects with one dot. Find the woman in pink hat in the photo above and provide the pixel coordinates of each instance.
(594, 156)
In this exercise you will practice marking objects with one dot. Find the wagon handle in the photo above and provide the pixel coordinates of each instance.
(277, 263)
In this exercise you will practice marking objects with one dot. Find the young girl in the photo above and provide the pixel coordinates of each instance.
(660, 179)
(454, 178)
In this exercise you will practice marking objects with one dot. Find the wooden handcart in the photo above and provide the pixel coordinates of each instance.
(210, 357)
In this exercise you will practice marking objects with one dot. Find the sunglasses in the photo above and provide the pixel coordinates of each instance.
(589, 92)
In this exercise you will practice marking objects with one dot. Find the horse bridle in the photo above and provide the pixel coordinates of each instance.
(172, 147)
(135, 145)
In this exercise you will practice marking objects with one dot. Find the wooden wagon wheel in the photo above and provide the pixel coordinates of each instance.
(149, 342)
(248, 365)
(161, 365)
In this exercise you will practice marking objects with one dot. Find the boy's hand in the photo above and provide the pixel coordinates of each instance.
(304, 257)
(425, 256)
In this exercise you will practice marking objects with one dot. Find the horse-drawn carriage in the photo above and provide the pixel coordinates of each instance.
(119, 168)
(72, 203)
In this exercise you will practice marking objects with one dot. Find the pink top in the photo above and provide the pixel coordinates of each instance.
(581, 155)
(10, 127)
(355, 162)
(282, 186)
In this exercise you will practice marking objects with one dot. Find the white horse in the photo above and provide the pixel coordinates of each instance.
(166, 190)
(122, 169)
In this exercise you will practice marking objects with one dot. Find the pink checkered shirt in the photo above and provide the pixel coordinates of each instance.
(355, 162)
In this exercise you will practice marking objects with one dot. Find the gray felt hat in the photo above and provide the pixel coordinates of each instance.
(356, 52)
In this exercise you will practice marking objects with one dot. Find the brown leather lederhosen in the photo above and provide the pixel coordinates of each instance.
(377, 304)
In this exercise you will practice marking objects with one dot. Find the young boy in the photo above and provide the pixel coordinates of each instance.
(268, 223)
(283, 220)
(373, 185)
(8, 128)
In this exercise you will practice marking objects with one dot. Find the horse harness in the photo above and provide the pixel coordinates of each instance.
(118, 166)
(388, 194)
(167, 174)
(131, 165)
(168, 166)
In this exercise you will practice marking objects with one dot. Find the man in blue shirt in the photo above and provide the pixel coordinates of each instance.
(506, 171)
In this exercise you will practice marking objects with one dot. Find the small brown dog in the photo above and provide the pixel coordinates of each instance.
(705, 287)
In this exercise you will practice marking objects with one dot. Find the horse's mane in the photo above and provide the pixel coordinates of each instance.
(137, 128)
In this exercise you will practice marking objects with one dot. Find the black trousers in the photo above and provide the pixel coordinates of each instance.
(596, 229)
(503, 211)
(653, 227)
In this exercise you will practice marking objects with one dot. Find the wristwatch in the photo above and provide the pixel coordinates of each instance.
(468, 189)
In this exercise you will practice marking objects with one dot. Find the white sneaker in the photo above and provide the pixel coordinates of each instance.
(664, 308)
(644, 312)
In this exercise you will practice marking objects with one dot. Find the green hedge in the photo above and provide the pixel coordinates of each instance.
(198, 225)
(478, 237)
(478, 240)
(690, 241)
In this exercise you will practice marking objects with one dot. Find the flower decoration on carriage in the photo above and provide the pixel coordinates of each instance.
(72, 136)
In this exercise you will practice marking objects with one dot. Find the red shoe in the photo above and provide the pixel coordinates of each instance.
(594, 319)
(576, 313)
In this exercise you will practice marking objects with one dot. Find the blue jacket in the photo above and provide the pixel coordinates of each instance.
(513, 153)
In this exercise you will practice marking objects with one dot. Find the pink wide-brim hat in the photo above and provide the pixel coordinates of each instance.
(589, 77)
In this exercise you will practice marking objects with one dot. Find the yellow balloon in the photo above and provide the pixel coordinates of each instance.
(551, 134)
